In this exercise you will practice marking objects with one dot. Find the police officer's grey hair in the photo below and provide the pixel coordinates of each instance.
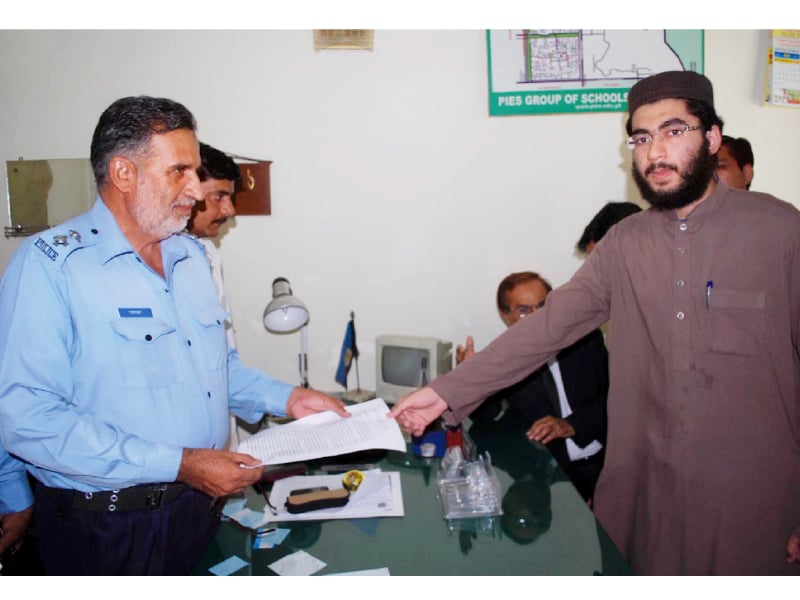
(125, 128)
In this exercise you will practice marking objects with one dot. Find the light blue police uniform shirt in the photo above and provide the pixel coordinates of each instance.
(109, 370)
(15, 493)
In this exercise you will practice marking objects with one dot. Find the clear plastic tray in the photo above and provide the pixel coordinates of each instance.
(468, 489)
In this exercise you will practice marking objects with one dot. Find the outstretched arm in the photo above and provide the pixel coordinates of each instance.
(305, 401)
(417, 410)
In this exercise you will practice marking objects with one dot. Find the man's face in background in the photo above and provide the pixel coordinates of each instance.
(215, 208)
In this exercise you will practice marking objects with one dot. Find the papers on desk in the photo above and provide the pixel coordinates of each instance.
(228, 566)
(297, 563)
(379, 495)
(327, 434)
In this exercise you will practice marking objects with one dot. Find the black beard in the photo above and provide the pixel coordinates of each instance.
(696, 177)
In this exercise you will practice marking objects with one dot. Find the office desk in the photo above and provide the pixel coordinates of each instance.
(546, 528)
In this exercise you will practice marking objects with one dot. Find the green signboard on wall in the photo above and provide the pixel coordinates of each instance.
(551, 71)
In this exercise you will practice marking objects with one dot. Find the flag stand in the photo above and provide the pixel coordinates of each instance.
(356, 395)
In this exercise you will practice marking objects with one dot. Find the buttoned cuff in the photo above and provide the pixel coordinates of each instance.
(162, 464)
(15, 495)
(278, 396)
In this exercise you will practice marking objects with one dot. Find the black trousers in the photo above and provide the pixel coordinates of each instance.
(584, 473)
(169, 540)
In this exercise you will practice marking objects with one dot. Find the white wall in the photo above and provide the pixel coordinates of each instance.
(399, 197)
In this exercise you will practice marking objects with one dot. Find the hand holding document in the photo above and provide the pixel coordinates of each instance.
(327, 434)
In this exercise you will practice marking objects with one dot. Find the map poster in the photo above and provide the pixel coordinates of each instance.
(551, 71)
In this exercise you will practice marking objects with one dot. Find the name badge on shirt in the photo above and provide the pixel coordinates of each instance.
(135, 312)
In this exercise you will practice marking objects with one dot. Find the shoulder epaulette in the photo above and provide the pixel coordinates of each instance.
(58, 242)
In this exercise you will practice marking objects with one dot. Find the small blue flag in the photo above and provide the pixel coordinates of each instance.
(349, 352)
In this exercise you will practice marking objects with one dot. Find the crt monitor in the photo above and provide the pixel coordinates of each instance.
(406, 363)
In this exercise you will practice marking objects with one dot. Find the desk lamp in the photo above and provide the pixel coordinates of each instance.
(284, 314)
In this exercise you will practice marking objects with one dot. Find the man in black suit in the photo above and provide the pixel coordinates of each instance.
(565, 400)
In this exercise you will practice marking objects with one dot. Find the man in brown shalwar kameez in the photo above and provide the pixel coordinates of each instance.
(702, 471)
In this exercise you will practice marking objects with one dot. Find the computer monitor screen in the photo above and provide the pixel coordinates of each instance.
(405, 366)
(406, 363)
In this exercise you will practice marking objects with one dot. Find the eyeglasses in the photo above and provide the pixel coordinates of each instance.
(668, 133)
(526, 309)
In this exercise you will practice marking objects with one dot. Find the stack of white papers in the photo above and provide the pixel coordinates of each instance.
(379, 495)
(327, 434)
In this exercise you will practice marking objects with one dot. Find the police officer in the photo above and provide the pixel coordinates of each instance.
(116, 378)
